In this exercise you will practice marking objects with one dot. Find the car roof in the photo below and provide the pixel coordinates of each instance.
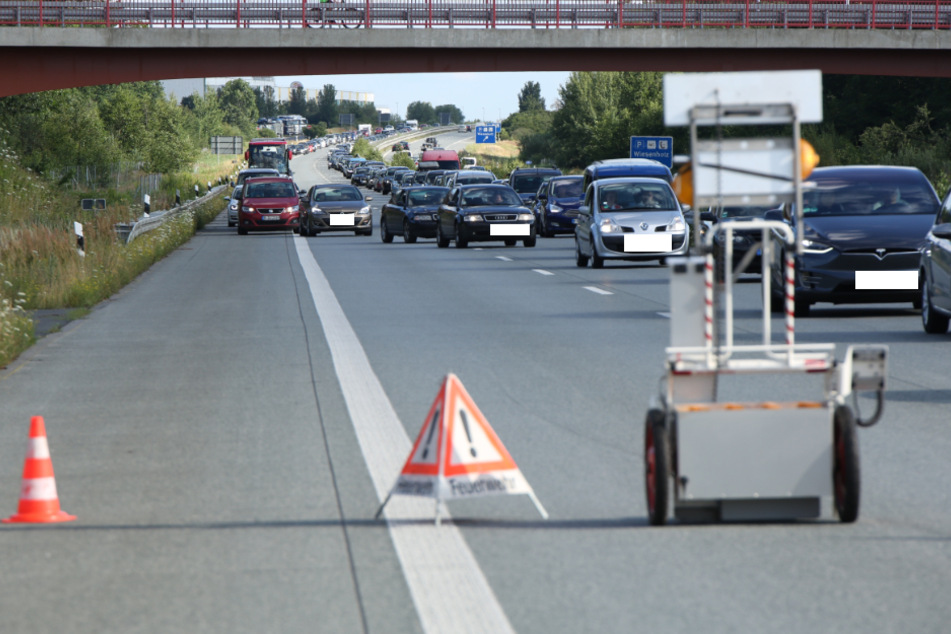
(270, 179)
(634, 180)
(536, 170)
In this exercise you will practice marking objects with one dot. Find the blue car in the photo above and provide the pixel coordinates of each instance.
(556, 205)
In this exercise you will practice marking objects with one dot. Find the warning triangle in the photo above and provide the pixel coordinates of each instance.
(457, 454)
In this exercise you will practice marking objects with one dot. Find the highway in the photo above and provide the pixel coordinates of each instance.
(223, 428)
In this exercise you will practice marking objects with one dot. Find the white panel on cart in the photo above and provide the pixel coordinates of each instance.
(754, 452)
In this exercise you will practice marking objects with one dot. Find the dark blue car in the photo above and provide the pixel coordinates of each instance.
(556, 205)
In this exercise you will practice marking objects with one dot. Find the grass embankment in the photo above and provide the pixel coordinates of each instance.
(39, 264)
(500, 157)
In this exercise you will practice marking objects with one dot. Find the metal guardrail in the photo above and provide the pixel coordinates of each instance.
(155, 219)
(484, 14)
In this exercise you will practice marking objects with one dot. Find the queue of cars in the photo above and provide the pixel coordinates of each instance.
(871, 234)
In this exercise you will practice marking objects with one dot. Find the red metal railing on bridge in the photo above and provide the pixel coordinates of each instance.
(483, 14)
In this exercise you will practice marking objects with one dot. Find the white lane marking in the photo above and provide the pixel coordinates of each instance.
(449, 589)
(503, 258)
(543, 272)
(667, 315)
(599, 291)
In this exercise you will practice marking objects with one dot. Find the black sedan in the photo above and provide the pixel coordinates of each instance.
(481, 213)
(411, 213)
(863, 228)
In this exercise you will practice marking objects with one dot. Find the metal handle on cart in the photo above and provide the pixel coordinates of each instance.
(864, 370)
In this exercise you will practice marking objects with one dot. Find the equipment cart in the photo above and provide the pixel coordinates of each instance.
(707, 459)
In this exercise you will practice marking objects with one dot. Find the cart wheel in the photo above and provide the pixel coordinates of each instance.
(846, 475)
(657, 470)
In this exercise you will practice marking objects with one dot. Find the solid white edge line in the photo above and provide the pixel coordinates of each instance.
(595, 289)
(448, 587)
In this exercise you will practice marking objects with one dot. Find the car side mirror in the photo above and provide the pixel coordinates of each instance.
(708, 216)
(942, 231)
(584, 210)
(774, 214)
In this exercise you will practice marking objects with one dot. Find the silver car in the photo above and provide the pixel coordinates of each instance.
(629, 219)
(234, 201)
(336, 208)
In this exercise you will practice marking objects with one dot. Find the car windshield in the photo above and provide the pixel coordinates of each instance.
(490, 196)
(527, 184)
(636, 196)
(426, 197)
(336, 194)
(237, 192)
(271, 190)
(837, 197)
(268, 156)
(567, 189)
(743, 211)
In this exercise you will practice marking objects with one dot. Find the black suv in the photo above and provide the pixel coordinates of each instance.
(528, 180)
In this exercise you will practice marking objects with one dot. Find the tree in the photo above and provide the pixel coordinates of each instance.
(298, 102)
(326, 106)
(455, 114)
(423, 112)
(239, 105)
(530, 98)
(267, 105)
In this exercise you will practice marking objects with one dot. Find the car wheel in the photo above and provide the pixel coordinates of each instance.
(304, 229)
(529, 242)
(409, 236)
(543, 227)
(231, 224)
(510, 242)
(242, 231)
(384, 234)
(581, 260)
(802, 308)
(441, 241)
(657, 467)
(846, 473)
(777, 303)
(597, 262)
(934, 322)
(461, 243)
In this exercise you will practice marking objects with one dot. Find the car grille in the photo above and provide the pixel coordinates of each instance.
(871, 261)
(267, 210)
(500, 217)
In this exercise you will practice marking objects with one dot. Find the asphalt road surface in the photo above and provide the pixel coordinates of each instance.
(226, 426)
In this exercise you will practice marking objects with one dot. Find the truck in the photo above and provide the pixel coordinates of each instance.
(272, 153)
(364, 129)
(438, 160)
(412, 124)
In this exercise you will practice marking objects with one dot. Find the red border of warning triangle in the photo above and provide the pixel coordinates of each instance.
(450, 392)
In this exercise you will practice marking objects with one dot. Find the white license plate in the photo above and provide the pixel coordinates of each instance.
(886, 280)
(270, 218)
(510, 230)
(648, 242)
(341, 220)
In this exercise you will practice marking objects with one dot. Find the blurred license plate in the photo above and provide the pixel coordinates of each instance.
(270, 218)
(510, 230)
(341, 220)
(886, 280)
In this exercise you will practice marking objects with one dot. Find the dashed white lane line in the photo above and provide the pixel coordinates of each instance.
(595, 289)
(503, 258)
(666, 315)
(449, 589)
(543, 272)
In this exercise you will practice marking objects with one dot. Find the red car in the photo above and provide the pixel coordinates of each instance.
(268, 204)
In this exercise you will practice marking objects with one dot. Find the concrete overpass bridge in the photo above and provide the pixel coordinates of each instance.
(48, 45)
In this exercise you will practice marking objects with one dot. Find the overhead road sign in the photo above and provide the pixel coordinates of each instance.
(485, 133)
(657, 148)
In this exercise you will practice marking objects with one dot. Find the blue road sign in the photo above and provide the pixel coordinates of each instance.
(485, 134)
(658, 148)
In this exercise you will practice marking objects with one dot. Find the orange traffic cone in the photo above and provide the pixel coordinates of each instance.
(38, 500)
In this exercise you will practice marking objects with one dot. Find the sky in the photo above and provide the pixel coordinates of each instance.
(480, 96)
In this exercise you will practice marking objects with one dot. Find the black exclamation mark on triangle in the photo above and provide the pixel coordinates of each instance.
(465, 425)
(432, 430)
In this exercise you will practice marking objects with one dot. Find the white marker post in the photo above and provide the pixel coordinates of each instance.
(80, 240)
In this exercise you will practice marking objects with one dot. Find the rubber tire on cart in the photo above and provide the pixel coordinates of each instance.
(657, 466)
(846, 475)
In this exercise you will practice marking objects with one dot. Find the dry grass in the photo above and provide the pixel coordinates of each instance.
(500, 149)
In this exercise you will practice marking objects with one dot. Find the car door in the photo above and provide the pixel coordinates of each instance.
(397, 211)
(586, 219)
(940, 246)
(448, 211)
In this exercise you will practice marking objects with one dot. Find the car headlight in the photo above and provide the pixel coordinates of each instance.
(609, 226)
(811, 246)
(247, 209)
(365, 210)
(234, 206)
(555, 209)
(474, 218)
(316, 210)
(293, 209)
(526, 217)
(677, 225)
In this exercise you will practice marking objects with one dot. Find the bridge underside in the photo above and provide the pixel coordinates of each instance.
(33, 67)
